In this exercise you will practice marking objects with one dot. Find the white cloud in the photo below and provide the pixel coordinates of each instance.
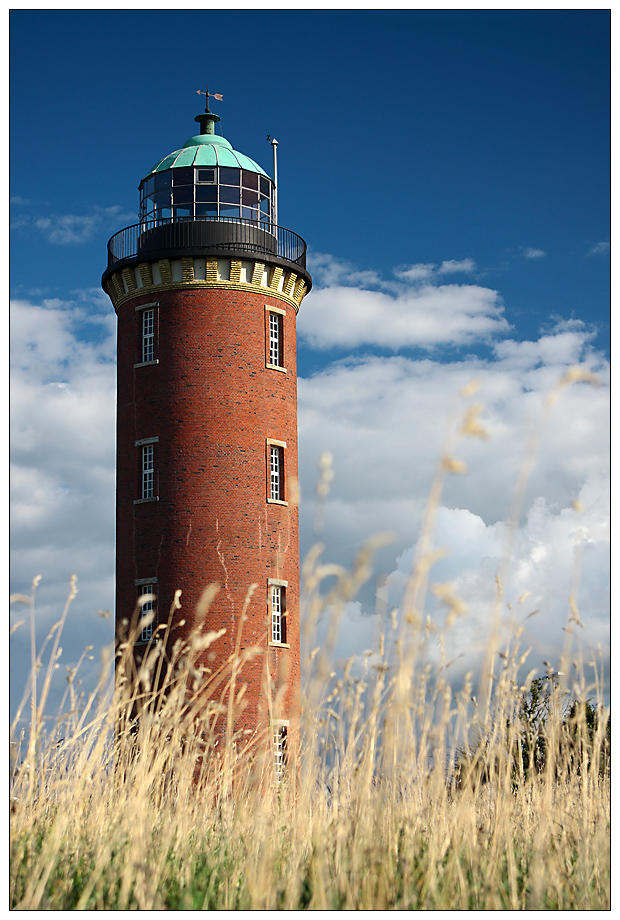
(557, 551)
(62, 467)
(599, 249)
(327, 271)
(72, 229)
(416, 310)
(531, 253)
(384, 420)
(412, 273)
(425, 270)
(452, 266)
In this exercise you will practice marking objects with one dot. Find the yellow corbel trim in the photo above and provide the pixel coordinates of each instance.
(276, 274)
(165, 271)
(235, 271)
(188, 269)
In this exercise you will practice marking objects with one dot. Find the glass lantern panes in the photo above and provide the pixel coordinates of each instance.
(249, 179)
(229, 176)
(229, 195)
(206, 210)
(249, 198)
(206, 192)
(163, 179)
(183, 176)
(184, 194)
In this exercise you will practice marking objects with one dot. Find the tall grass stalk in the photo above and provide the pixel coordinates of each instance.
(407, 793)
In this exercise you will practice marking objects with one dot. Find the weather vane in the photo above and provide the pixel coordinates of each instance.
(207, 94)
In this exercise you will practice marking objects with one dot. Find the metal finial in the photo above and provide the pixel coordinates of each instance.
(208, 119)
(217, 96)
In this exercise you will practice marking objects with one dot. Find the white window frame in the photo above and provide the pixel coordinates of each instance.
(148, 479)
(276, 598)
(148, 336)
(275, 338)
(147, 586)
(198, 181)
(276, 472)
(279, 738)
(148, 344)
(148, 471)
(146, 633)
(277, 605)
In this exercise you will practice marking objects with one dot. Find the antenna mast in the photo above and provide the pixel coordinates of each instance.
(274, 144)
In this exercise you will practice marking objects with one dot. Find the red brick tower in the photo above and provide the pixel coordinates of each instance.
(206, 288)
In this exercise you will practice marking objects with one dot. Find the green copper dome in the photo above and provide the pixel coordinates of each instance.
(207, 150)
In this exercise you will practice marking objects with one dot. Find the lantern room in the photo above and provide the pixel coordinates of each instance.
(206, 178)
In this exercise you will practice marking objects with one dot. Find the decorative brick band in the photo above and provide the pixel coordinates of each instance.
(130, 279)
(145, 279)
(146, 274)
(235, 271)
(165, 271)
(276, 274)
(212, 271)
(188, 270)
(257, 274)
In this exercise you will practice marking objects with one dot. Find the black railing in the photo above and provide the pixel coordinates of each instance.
(207, 233)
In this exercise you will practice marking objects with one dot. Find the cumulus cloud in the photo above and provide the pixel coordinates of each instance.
(417, 310)
(531, 253)
(62, 379)
(558, 552)
(384, 421)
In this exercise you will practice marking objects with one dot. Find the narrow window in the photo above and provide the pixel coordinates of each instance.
(278, 613)
(147, 332)
(148, 335)
(276, 473)
(275, 339)
(148, 608)
(146, 485)
(279, 751)
(148, 471)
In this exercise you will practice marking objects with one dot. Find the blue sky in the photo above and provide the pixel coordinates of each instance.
(449, 170)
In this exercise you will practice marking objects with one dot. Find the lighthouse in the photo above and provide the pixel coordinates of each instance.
(206, 287)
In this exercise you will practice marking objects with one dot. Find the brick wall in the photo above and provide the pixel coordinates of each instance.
(212, 404)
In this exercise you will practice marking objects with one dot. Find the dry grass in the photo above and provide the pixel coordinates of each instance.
(409, 795)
